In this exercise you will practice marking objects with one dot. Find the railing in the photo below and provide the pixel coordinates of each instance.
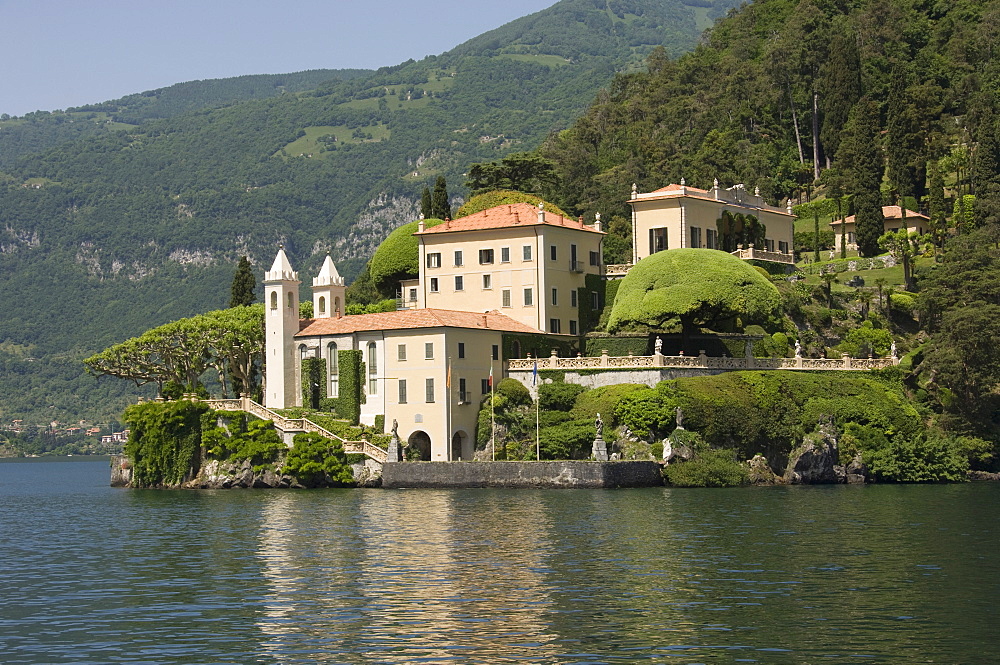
(701, 361)
(296, 425)
(752, 253)
(575, 266)
(617, 269)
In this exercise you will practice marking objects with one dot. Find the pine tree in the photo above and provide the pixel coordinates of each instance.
(243, 291)
(440, 209)
(425, 204)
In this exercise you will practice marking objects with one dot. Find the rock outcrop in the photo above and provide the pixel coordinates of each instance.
(815, 461)
(760, 472)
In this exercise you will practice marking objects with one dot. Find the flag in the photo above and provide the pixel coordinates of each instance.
(448, 382)
(534, 373)
(490, 380)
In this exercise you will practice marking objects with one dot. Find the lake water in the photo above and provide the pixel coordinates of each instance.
(879, 574)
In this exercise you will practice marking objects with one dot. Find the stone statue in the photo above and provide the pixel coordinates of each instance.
(679, 417)
(658, 346)
(892, 348)
(798, 349)
(599, 426)
(395, 428)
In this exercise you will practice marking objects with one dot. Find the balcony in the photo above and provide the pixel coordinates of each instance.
(576, 266)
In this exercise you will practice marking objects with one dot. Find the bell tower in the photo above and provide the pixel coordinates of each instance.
(281, 322)
(328, 292)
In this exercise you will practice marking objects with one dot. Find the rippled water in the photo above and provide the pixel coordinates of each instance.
(890, 574)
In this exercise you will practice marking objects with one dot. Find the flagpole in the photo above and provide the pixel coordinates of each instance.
(447, 393)
(538, 401)
(493, 418)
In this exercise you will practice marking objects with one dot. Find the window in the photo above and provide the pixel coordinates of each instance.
(334, 364)
(850, 237)
(485, 386)
(768, 245)
(434, 260)
(401, 352)
(274, 300)
(463, 395)
(303, 352)
(695, 237)
(573, 328)
(595, 300)
(554, 326)
(291, 301)
(485, 256)
(505, 299)
(429, 390)
(413, 295)
(573, 298)
(458, 258)
(372, 369)
(434, 284)
(402, 391)
(552, 252)
(528, 298)
(429, 351)
(526, 253)
(555, 296)
(496, 352)
(459, 283)
(710, 239)
(322, 305)
(783, 247)
(461, 349)
(487, 281)
(505, 255)
(595, 258)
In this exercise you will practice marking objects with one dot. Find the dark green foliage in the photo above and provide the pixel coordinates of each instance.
(590, 315)
(737, 230)
(558, 396)
(347, 404)
(925, 458)
(316, 461)
(603, 401)
(396, 257)
(314, 371)
(244, 289)
(636, 345)
(537, 346)
(258, 442)
(767, 412)
(805, 241)
(572, 439)
(165, 441)
(692, 288)
(492, 199)
(425, 203)
(520, 171)
(440, 205)
(514, 392)
(711, 467)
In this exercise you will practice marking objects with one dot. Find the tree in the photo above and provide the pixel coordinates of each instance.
(902, 246)
(426, 209)
(243, 290)
(693, 287)
(936, 205)
(865, 166)
(440, 207)
(521, 171)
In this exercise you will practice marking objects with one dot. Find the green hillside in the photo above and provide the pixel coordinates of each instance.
(141, 218)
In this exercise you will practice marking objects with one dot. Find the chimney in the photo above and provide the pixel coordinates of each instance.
(541, 213)
(597, 221)
(485, 325)
(420, 224)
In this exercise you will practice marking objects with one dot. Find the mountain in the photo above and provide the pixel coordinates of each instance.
(107, 232)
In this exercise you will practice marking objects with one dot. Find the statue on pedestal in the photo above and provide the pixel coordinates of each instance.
(600, 450)
(798, 349)
(679, 418)
(658, 346)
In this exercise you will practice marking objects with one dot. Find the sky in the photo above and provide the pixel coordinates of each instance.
(62, 53)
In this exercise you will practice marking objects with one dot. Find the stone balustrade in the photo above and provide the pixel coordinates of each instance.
(701, 361)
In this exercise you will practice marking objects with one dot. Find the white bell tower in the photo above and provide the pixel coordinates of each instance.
(328, 292)
(281, 322)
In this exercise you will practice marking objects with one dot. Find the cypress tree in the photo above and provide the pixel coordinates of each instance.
(243, 291)
(935, 203)
(865, 165)
(425, 204)
(440, 208)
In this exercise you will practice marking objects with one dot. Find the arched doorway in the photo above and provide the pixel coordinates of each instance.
(456, 446)
(420, 441)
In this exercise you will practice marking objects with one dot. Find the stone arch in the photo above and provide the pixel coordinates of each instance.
(421, 441)
(460, 446)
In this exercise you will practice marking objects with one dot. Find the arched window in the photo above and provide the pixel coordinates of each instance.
(303, 352)
(322, 304)
(291, 301)
(336, 306)
(372, 369)
(274, 300)
(334, 364)
(516, 349)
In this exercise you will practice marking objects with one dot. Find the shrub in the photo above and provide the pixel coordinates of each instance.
(397, 256)
(903, 302)
(710, 468)
(514, 392)
(570, 440)
(558, 396)
(603, 401)
(925, 458)
(550, 418)
(866, 339)
(503, 197)
(315, 461)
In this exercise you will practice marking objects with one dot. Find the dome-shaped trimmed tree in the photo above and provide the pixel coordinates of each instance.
(397, 256)
(496, 198)
(693, 288)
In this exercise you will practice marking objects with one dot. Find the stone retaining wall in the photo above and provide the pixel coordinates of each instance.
(565, 474)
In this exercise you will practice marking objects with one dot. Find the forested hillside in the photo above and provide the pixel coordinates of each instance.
(141, 218)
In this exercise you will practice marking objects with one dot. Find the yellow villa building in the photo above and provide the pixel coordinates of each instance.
(915, 223)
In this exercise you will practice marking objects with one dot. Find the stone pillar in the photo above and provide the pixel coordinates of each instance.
(847, 361)
(604, 357)
(553, 359)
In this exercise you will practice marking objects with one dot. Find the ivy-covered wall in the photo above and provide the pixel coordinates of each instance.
(350, 397)
(539, 346)
(314, 382)
(589, 315)
(619, 345)
(165, 441)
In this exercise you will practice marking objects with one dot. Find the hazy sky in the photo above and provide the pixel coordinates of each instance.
(61, 53)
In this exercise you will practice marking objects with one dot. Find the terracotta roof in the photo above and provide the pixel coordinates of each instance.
(674, 190)
(506, 216)
(674, 187)
(889, 212)
(412, 318)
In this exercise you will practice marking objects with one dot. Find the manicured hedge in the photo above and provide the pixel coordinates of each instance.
(503, 197)
(397, 256)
